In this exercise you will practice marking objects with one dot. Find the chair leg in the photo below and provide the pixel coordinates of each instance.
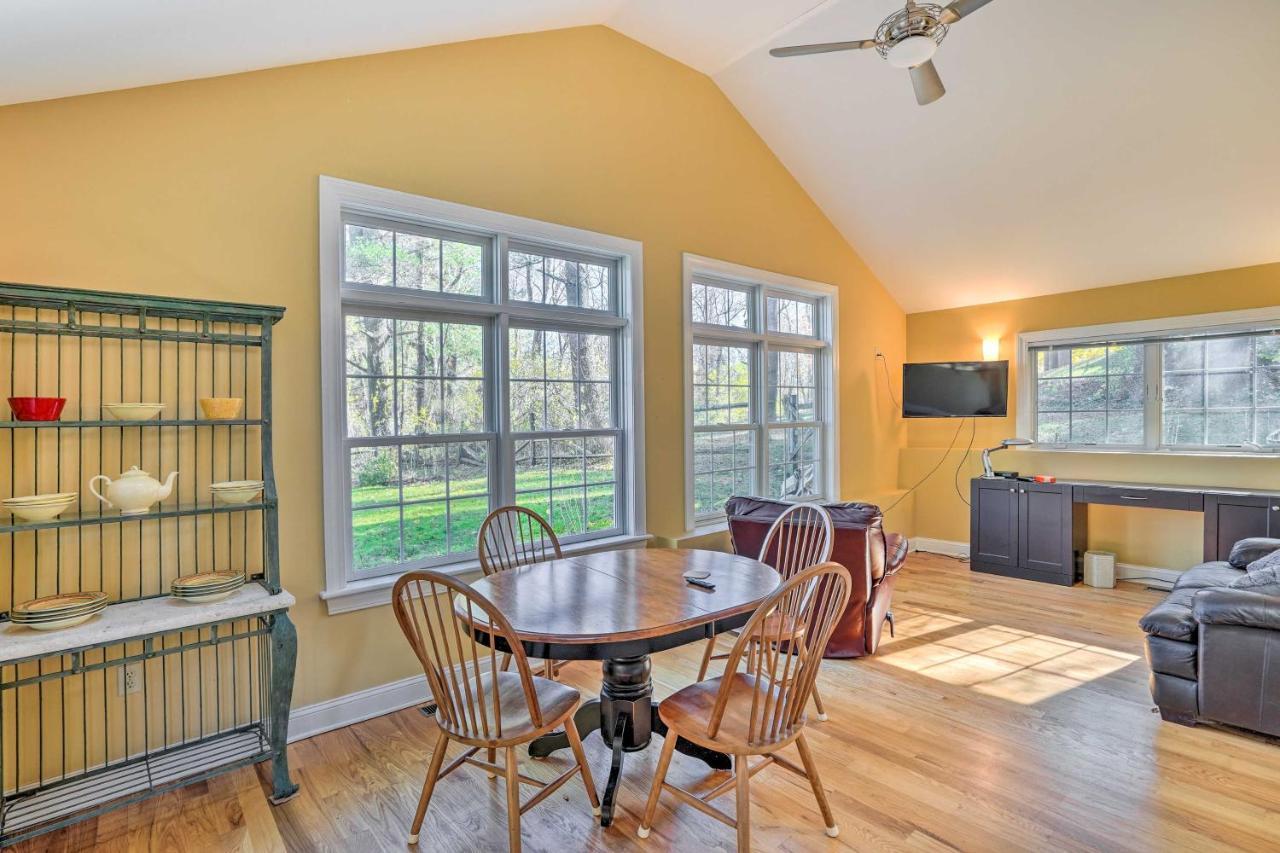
(817, 703)
(433, 773)
(811, 770)
(888, 617)
(549, 669)
(743, 786)
(575, 743)
(660, 776)
(706, 658)
(491, 755)
(513, 801)
(506, 662)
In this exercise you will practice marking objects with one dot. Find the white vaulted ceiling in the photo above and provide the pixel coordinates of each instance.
(1081, 143)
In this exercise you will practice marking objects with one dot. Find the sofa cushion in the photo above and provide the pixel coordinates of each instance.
(1208, 575)
(1246, 551)
(1172, 618)
(1172, 657)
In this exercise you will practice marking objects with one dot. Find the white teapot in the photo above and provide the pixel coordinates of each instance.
(134, 491)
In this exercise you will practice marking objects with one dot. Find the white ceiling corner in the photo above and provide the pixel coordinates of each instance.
(1081, 143)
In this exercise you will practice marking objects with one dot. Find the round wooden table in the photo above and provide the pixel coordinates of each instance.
(619, 607)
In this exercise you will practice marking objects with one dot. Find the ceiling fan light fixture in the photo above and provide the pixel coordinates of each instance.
(911, 51)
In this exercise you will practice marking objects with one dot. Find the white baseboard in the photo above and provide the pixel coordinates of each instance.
(939, 546)
(356, 707)
(1153, 575)
(362, 705)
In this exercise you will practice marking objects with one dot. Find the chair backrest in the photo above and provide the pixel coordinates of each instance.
(514, 536)
(781, 661)
(462, 685)
(799, 538)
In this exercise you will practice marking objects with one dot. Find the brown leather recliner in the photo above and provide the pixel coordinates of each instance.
(872, 557)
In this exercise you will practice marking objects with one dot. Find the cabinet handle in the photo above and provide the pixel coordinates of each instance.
(1133, 498)
(1011, 491)
(1275, 509)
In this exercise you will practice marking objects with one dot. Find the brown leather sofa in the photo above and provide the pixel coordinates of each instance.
(1214, 651)
(872, 557)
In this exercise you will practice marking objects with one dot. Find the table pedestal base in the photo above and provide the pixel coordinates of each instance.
(626, 717)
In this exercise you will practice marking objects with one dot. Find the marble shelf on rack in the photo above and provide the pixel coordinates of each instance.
(133, 619)
(154, 422)
(90, 516)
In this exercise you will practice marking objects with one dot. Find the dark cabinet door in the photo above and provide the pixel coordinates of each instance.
(1230, 518)
(1044, 528)
(993, 533)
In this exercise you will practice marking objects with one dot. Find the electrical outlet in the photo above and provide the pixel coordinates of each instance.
(130, 679)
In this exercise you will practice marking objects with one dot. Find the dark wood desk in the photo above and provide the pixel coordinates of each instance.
(1039, 531)
(619, 607)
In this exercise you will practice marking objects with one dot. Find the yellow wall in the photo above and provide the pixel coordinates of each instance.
(1147, 537)
(208, 189)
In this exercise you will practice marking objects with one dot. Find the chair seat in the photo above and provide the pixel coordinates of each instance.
(557, 701)
(782, 626)
(688, 712)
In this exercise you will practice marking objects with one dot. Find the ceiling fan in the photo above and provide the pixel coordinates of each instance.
(907, 39)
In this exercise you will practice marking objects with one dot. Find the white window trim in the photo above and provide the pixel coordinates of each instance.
(1221, 322)
(826, 337)
(338, 197)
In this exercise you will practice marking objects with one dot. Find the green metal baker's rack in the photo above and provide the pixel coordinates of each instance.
(153, 693)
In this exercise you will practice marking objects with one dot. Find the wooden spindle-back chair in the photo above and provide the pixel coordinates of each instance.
(478, 703)
(760, 709)
(514, 536)
(801, 537)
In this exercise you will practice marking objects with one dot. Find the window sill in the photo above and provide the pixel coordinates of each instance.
(375, 592)
(1159, 454)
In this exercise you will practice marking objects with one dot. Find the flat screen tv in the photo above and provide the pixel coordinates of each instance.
(955, 389)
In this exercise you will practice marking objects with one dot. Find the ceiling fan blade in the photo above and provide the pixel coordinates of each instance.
(826, 47)
(927, 83)
(959, 9)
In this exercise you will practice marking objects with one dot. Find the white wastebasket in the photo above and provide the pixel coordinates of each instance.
(1100, 569)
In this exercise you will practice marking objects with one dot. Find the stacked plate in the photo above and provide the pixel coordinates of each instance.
(236, 491)
(206, 586)
(59, 611)
(34, 508)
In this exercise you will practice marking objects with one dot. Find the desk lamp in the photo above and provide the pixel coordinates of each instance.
(987, 473)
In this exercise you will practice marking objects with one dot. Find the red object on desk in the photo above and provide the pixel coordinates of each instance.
(1045, 478)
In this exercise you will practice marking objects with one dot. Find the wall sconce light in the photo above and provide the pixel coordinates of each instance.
(990, 349)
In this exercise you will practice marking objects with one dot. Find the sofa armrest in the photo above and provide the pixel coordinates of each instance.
(895, 552)
(1237, 607)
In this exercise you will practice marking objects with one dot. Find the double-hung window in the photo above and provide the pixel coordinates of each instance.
(1206, 383)
(760, 373)
(471, 360)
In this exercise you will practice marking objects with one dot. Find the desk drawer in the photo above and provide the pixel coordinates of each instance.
(1142, 497)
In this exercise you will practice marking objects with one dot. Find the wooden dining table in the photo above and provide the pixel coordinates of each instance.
(619, 607)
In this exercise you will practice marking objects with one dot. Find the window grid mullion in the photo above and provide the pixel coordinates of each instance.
(762, 427)
(1153, 406)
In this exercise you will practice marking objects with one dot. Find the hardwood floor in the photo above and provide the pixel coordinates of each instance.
(1007, 715)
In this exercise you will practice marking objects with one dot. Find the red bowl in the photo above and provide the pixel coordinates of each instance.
(37, 408)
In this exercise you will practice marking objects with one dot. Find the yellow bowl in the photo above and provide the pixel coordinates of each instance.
(220, 408)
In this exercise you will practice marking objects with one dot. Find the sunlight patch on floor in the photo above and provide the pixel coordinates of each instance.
(914, 623)
(1008, 663)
